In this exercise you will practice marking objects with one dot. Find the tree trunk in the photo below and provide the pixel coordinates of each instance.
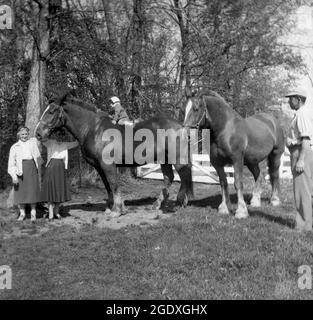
(115, 49)
(138, 34)
(35, 89)
(237, 86)
(79, 168)
(183, 22)
(37, 83)
(184, 82)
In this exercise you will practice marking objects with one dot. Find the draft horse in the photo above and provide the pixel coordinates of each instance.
(237, 141)
(86, 124)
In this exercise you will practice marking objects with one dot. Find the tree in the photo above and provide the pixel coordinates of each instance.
(38, 12)
(238, 40)
(137, 38)
(146, 52)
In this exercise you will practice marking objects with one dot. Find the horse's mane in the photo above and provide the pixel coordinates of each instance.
(82, 104)
(70, 97)
(211, 93)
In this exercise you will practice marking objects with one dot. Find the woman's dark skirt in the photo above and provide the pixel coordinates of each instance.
(55, 187)
(28, 190)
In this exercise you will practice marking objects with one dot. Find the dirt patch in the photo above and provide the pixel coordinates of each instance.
(86, 208)
(79, 218)
(140, 217)
(33, 231)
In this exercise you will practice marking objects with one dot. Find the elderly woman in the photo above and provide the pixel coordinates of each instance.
(23, 165)
(55, 187)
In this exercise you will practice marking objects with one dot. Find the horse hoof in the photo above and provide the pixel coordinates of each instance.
(241, 215)
(156, 205)
(107, 211)
(275, 203)
(115, 214)
(255, 203)
(182, 201)
(181, 205)
(222, 209)
(186, 200)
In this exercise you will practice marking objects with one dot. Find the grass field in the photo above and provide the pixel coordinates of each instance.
(191, 254)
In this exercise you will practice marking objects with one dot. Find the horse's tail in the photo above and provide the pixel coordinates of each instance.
(189, 182)
(186, 188)
(187, 172)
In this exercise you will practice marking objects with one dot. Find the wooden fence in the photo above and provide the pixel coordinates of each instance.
(203, 171)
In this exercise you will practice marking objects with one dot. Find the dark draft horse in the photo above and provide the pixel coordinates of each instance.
(237, 141)
(84, 122)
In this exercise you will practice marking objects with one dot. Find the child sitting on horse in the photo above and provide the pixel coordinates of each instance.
(120, 115)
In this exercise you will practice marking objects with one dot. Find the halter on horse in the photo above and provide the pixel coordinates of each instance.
(238, 141)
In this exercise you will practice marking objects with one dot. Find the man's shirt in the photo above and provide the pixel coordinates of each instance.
(301, 126)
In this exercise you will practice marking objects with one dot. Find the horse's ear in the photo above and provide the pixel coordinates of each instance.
(49, 97)
(45, 99)
(68, 94)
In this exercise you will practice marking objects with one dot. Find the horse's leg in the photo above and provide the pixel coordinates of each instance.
(104, 179)
(109, 190)
(257, 190)
(112, 176)
(168, 175)
(242, 211)
(186, 187)
(225, 204)
(273, 165)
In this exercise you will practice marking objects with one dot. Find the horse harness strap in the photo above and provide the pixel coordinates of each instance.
(204, 115)
(60, 117)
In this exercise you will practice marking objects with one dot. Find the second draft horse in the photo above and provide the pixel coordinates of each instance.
(238, 141)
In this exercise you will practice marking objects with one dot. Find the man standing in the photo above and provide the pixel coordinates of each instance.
(300, 145)
(120, 115)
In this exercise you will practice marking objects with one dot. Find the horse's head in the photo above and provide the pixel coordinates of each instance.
(52, 118)
(195, 111)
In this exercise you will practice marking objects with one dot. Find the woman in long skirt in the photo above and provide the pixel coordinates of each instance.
(55, 187)
(23, 165)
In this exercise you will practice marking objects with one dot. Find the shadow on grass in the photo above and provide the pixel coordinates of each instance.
(88, 207)
(102, 206)
(215, 200)
(140, 202)
(285, 221)
(131, 204)
(211, 201)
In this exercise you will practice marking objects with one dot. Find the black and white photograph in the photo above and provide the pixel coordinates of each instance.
(157, 151)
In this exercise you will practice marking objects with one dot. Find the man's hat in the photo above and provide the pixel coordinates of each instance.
(297, 92)
(115, 100)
